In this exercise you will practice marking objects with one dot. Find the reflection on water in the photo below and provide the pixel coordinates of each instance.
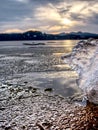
(62, 67)
(41, 65)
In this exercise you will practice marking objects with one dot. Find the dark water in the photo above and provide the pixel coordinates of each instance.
(38, 65)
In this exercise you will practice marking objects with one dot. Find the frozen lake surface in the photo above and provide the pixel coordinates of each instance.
(38, 65)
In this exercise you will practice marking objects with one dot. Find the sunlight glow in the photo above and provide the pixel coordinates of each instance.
(66, 21)
(47, 14)
(13, 31)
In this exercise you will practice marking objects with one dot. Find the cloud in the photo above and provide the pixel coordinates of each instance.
(93, 19)
(13, 10)
(49, 15)
(23, 1)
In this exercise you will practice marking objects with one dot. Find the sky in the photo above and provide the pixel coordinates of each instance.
(49, 16)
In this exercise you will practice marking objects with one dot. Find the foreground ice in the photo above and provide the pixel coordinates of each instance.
(84, 60)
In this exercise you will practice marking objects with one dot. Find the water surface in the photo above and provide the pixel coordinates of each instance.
(38, 65)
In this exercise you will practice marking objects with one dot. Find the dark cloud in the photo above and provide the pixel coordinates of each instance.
(93, 19)
(13, 10)
(76, 16)
(63, 10)
(46, 1)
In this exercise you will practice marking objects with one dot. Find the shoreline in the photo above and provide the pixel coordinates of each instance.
(29, 108)
(23, 107)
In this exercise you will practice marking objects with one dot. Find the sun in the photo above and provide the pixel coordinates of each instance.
(66, 21)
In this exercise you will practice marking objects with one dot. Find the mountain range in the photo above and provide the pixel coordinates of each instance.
(37, 35)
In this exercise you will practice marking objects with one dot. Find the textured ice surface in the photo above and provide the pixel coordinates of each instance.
(84, 60)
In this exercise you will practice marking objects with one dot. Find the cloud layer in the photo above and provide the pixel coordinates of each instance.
(51, 16)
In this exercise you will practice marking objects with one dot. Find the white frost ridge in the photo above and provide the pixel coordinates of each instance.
(84, 60)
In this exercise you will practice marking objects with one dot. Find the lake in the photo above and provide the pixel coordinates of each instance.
(38, 64)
